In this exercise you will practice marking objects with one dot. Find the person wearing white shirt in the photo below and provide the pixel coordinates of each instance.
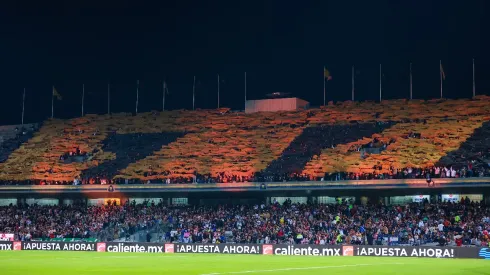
(453, 172)
(440, 227)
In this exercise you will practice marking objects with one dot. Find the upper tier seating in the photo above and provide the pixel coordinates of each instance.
(12, 136)
(224, 146)
(424, 133)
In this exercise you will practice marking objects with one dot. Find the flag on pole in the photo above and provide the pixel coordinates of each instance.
(411, 90)
(194, 94)
(137, 94)
(165, 92)
(53, 95)
(381, 75)
(474, 87)
(352, 83)
(326, 74)
(83, 98)
(245, 103)
(443, 75)
(108, 97)
(166, 88)
(23, 104)
(56, 94)
(218, 90)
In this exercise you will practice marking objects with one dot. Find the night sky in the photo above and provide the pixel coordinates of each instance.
(282, 45)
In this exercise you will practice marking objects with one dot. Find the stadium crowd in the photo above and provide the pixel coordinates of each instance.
(415, 224)
(11, 139)
(466, 171)
(470, 160)
(108, 222)
(462, 223)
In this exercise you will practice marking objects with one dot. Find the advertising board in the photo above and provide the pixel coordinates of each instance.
(257, 249)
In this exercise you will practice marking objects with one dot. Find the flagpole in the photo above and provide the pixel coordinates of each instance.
(83, 96)
(324, 92)
(440, 73)
(474, 87)
(245, 103)
(352, 82)
(380, 83)
(194, 93)
(108, 98)
(23, 104)
(163, 101)
(52, 103)
(218, 91)
(411, 95)
(137, 94)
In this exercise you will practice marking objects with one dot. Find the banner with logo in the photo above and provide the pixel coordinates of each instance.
(6, 237)
(264, 249)
(377, 251)
(404, 251)
(214, 248)
(6, 246)
(57, 246)
(131, 247)
(302, 250)
(417, 251)
(484, 253)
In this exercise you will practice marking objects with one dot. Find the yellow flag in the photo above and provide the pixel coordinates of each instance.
(56, 94)
(326, 74)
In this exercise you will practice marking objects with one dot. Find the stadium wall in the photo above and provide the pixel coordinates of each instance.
(258, 249)
(274, 105)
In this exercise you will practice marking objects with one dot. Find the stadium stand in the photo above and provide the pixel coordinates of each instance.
(462, 223)
(343, 223)
(474, 150)
(311, 142)
(11, 137)
(108, 222)
(423, 133)
(233, 148)
(128, 148)
(347, 140)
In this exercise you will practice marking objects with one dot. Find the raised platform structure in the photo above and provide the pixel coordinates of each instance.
(275, 105)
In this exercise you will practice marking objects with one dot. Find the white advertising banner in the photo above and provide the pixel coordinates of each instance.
(6, 237)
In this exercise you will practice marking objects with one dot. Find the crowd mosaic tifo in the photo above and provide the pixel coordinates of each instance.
(348, 140)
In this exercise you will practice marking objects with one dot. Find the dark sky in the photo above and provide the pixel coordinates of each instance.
(282, 45)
